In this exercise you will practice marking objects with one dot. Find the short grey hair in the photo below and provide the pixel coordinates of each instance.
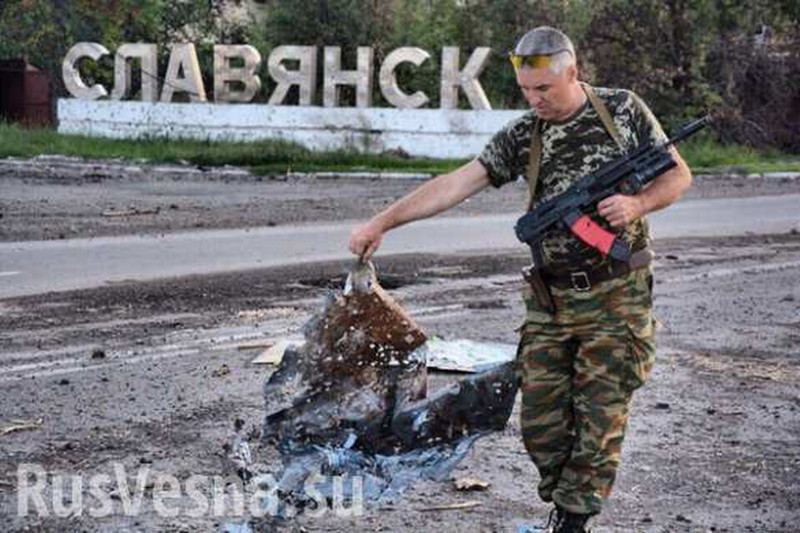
(548, 41)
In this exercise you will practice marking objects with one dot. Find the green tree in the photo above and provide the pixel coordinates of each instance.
(42, 31)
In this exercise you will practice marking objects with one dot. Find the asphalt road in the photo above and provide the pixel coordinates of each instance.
(42, 266)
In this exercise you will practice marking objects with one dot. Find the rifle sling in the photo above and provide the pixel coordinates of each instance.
(534, 158)
(604, 114)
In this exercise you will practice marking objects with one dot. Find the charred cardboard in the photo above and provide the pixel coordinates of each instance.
(360, 372)
(358, 363)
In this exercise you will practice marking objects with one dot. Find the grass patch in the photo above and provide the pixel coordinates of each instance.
(706, 156)
(281, 157)
(16, 141)
(264, 157)
(344, 161)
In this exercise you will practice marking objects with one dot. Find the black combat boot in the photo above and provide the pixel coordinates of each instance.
(566, 522)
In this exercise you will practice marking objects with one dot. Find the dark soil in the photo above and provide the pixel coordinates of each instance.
(712, 442)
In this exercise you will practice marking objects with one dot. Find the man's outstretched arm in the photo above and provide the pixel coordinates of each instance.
(434, 196)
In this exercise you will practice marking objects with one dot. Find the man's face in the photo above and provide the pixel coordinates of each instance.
(546, 92)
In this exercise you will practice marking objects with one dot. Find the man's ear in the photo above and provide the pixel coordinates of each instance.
(572, 73)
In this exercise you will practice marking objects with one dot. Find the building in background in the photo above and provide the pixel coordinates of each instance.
(24, 94)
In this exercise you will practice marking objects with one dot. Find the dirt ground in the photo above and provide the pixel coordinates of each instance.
(152, 375)
(63, 198)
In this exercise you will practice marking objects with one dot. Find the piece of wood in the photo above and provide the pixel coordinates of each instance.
(467, 483)
(19, 424)
(274, 354)
(255, 346)
(452, 506)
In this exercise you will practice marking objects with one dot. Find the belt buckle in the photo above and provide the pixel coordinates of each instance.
(580, 281)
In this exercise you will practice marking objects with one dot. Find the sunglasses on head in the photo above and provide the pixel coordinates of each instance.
(532, 60)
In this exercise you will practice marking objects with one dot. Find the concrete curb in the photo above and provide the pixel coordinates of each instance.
(764, 175)
(50, 163)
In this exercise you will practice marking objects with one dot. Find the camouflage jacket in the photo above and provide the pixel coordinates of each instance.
(571, 149)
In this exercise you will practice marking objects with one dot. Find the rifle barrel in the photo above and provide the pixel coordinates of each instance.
(689, 129)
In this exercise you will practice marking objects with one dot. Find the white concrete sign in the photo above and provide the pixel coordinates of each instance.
(183, 74)
(441, 133)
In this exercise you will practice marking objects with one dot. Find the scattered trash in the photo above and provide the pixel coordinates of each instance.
(221, 371)
(358, 363)
(352, 398)
(383, 477)
(98, 354)
(452, 506)
(464, 355)
(239, 455)
(19, 424)
(273, 355)
(471, 484)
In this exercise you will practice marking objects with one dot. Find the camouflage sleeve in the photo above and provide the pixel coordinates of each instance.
(505, 156)
(645, 124)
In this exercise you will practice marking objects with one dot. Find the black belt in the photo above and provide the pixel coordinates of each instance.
(584, 280)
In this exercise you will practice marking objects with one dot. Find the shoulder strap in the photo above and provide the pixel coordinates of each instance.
(534, 158)
(605, 116)
(535, 154)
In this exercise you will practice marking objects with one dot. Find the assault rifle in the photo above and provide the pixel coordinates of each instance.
(626, 175)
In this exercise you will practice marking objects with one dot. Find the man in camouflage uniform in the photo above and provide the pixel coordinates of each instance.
(580, 364)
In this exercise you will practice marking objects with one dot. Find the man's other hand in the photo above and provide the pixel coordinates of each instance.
(365, 239)
(620, 210)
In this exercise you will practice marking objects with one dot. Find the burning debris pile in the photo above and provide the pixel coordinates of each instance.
(353, 398)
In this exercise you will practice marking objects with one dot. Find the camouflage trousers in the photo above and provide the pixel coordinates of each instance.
(578, 370)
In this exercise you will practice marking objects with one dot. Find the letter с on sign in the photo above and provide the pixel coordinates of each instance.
(241, 83)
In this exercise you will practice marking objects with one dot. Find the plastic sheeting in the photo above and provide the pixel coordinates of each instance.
(464, 355)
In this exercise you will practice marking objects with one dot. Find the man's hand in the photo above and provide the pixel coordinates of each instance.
(620, 210)
(365, 239)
